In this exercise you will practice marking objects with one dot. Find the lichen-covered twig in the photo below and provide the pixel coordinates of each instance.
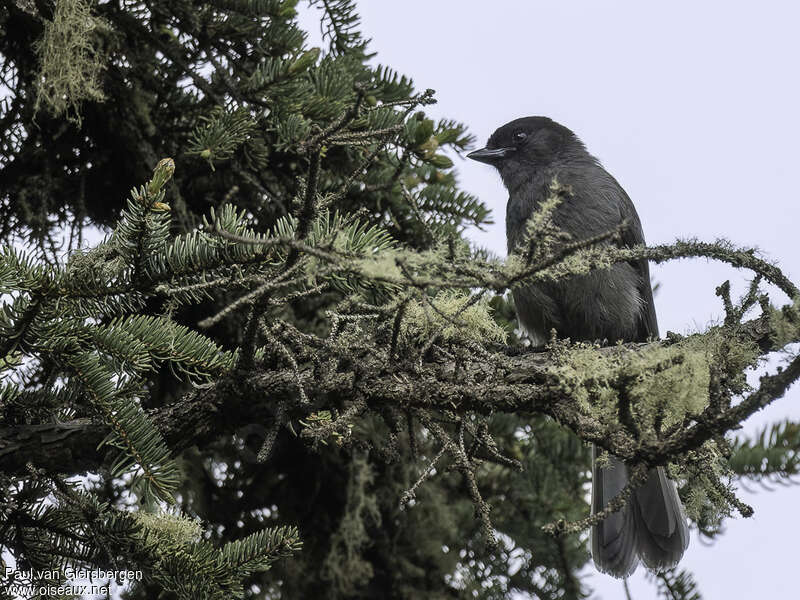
(459, 454)
(637, 474)
(410, 493)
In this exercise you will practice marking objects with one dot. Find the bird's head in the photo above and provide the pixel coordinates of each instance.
(529, 143)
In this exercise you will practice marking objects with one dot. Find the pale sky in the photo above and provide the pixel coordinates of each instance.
(693, 107)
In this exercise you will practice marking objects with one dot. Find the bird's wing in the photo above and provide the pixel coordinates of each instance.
(633, 236)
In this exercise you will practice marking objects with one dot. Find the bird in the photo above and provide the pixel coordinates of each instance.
(614, 304)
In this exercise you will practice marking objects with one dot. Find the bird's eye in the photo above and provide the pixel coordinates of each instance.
(519, 137)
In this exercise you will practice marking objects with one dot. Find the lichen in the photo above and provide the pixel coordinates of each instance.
(70, 67)
(397, 263)
(169, 527)
(345, 566)
(383, 265)
(707, 488)
(785, 324)
(661, 383)
(449, 318)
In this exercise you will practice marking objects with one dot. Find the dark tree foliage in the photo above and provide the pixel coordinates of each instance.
(280, 375)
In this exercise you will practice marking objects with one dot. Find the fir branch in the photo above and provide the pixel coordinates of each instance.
(130, 430)
(772, 453)
(259, 550)
(339, 26)
(675, 584)
(513, 383)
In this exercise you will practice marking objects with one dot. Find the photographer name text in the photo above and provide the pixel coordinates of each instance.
(70, 573)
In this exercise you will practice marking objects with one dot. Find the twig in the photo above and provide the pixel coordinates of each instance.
(459, 454)
(637, 476)
(410, 493)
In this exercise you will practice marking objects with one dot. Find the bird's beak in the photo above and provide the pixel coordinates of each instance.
(490, 155)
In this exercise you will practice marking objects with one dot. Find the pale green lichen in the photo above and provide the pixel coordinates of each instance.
(785, 324)
(169, 527)
(345, 566)
(70, 67)
(578, 262)
(661, 384)
(708, 487)
(450, 320)
(541, 232)
(383, 265)
(396, 264)
(670, 392)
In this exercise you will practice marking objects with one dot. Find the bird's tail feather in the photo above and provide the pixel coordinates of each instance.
(614, 538)
(651, 526)
(663, 535)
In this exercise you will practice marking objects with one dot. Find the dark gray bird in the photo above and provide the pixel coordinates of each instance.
(613, 304)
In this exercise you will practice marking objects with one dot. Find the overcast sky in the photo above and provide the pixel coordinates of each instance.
(693, 107)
